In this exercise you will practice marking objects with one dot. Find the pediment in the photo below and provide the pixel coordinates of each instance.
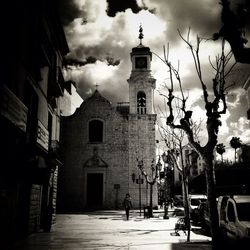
(95, 161)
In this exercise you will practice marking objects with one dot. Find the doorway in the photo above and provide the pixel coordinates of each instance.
(94, 190)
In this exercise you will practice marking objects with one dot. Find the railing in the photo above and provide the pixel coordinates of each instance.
(141, 110)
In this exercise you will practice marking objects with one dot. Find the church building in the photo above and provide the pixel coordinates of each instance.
(102, 144)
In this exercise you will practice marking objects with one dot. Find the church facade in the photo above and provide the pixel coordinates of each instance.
(102, 144)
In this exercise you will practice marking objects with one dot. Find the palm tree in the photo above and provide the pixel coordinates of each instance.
(220, 149)
(235, 143)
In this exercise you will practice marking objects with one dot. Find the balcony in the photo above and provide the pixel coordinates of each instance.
(56, 83)
(141, 110)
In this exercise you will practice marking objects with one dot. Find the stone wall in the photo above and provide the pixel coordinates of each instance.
(115, 158)
(142, 147)
(78, 151)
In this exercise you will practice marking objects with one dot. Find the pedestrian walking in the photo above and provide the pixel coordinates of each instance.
(127, 205)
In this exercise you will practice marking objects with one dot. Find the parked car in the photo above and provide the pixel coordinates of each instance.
(203, 216)
(195, 200)
(234, 216)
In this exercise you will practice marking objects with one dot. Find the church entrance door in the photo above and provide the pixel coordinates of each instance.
(94, 190)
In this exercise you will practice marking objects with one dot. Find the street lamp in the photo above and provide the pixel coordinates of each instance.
(133, 177)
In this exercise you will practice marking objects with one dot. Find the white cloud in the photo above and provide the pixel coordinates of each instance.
(99, 71)
(241, 129)
(153, 26)
(102, 35)
(228, 155)
(233, 97)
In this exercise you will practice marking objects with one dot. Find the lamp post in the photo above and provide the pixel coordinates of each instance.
(139, 181)
(167, 176)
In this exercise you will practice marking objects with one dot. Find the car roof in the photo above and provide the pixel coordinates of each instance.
(197, 196)
(241, 198)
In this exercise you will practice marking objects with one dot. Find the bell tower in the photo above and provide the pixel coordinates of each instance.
(141, 123)
(141, 82)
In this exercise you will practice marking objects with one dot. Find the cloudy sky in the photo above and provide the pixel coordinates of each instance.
(101, 34)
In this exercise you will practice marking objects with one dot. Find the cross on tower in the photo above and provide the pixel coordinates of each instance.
(140, 34)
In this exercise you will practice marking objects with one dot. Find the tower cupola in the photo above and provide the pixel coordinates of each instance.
(141, 55)
(141, 82)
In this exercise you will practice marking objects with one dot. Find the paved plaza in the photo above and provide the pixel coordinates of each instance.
(110, 230)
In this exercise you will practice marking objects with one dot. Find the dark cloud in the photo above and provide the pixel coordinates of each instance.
(74, 62)
(84, 86)
(114, 90)
(115, 6)
(111, 61)
(202, 17)
(68, 11)
(83, 51)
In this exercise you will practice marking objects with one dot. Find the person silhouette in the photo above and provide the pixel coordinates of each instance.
(127, 204)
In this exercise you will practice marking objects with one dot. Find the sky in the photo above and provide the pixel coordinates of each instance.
(102, 33)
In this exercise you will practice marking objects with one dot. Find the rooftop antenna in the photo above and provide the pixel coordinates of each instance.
(141, 34)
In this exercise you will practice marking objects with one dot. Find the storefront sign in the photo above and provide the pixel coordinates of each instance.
(42, 136)
(12, 108)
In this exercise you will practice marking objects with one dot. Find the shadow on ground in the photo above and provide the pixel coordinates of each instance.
(191, 245)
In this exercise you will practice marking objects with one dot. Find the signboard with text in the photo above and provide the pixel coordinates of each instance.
(12, 108)
(42, 136)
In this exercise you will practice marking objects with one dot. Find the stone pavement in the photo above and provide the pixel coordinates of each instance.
(110, 230)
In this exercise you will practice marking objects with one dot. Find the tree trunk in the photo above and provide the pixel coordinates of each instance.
(235, 155)
(211, 197)
(151, 202)
(166, 197)
(186, 203)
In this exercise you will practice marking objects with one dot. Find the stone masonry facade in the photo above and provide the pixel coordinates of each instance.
(124, 137)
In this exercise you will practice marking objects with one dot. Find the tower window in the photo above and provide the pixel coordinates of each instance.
(141, 102)
(96, 131)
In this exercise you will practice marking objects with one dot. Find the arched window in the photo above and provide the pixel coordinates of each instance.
(141, 102)
(95, 131)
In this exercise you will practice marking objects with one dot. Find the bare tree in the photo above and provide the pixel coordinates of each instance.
(174, 141)
(215, 105)
(150, 179)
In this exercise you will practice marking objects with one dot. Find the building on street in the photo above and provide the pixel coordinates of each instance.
(102, 144)
(32, 83)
